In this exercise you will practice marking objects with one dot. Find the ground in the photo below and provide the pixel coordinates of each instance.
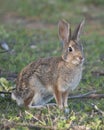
(30, 30)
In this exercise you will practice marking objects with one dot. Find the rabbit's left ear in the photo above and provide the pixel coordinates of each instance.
(78, 30)
(64, 31)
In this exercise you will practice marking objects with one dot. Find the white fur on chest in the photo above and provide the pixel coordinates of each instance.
(71, 81)
(75, 81)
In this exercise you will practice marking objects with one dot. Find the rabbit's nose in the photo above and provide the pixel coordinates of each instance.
(80, 58)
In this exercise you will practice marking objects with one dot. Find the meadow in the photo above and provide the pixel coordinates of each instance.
(28, 31)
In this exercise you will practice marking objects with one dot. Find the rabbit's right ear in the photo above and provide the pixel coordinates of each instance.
(78, 30)
(64, 31)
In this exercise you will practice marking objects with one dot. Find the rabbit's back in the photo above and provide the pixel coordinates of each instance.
(49, 72)
(44, 70)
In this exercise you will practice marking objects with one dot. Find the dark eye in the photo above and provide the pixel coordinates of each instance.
(70, 49)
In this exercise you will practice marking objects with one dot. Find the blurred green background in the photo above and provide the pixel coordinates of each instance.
(28, 30)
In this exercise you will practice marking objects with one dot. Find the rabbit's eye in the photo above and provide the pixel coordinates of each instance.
(70, 49)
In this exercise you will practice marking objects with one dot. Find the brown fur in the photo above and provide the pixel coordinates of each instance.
(55, 76)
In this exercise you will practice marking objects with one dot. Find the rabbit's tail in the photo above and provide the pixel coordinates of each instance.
(19, 101)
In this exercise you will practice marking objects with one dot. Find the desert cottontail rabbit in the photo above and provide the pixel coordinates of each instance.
(46, 78)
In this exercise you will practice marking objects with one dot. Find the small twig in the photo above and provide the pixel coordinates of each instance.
(9, 75)
(3, 92)
(92, 94)
(85, 95)
(3, 51)
(97, 109)
(98, 73)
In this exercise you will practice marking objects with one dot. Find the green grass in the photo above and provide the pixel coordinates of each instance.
(30, 30)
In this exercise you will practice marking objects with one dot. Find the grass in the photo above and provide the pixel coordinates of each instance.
(30, 30)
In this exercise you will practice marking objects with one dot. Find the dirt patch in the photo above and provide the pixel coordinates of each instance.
(27, 22)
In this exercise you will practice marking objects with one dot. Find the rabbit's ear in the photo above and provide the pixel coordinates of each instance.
(78, 30)
(64, 31)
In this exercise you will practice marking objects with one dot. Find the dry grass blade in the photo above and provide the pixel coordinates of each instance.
(28, 113)
(97, 109)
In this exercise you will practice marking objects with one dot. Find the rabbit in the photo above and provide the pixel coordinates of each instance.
(54, 77)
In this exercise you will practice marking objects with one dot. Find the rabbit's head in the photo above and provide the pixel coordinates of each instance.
(72, 49)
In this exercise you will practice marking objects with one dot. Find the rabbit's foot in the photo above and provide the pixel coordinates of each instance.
(51, 104)
(66, 110)
(36, 106)
(42, 106)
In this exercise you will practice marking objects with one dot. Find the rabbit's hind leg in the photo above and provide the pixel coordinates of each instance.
(47, 100)
(41, 102)
(36, 106)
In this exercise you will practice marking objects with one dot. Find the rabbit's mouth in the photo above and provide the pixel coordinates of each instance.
(78, 61)
(75, 61)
